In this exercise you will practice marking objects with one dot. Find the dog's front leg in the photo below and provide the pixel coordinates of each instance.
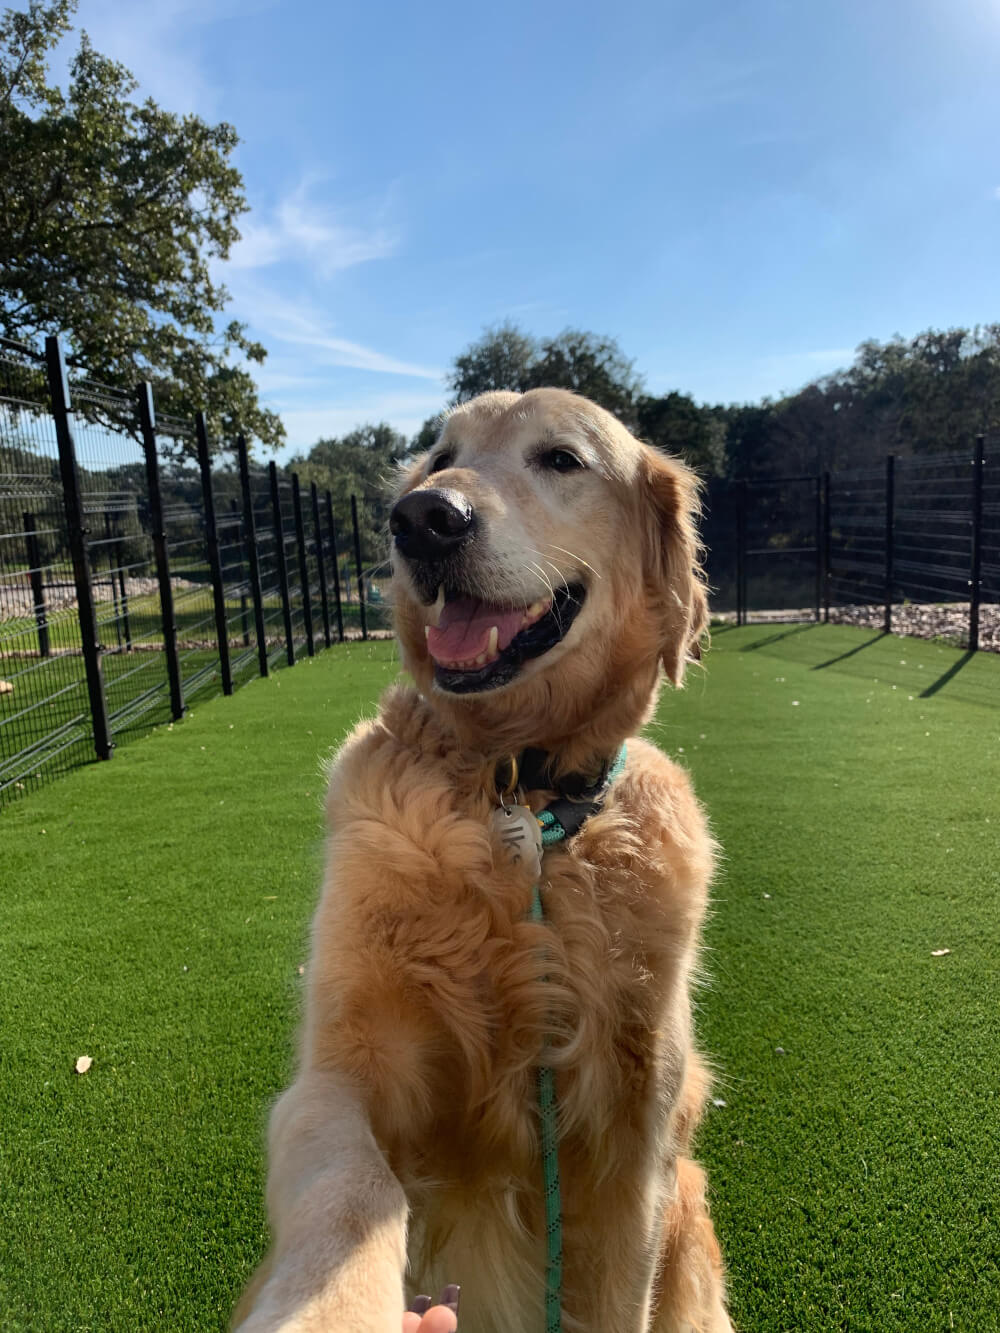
(338, 1219)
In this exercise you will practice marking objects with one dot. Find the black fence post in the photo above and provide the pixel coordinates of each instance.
(300, 541)
(890, 510)
(250, 528)
(827, 572)
(324, 600)
(240, 543)
(214, 561)
(77, 534)
(147, 423)
(37, 584)
(279, 547)
(975, 573)
(336, 565)
(357, 566)
(741, 552)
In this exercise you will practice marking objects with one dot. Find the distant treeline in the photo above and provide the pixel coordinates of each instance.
(925, 395)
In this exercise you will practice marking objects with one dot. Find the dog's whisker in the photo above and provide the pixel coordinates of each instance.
(544, 577)
(573, 556)
(553, 566)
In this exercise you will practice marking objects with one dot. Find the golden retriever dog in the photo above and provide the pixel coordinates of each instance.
(546, 574)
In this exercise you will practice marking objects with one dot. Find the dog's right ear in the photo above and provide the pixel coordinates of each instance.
(673, 558)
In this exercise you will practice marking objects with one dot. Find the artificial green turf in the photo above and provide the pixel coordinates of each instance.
(154, 913)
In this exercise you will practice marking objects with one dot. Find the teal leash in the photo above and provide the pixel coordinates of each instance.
(548, 1110)
(548, 1115)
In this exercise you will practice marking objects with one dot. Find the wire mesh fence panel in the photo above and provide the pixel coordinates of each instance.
(782, 547)
(267, 556)
(989, 549)
(856, 524)
(120, 555)
(290, 552)
(324, 621)
(187, 551)
(932, 534)
(44, 713)
(235, 560)
(346, 569)
(718, 533)
(376, 570)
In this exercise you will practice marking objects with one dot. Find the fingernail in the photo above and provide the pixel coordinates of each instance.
(421, 1304)
(450, 1297)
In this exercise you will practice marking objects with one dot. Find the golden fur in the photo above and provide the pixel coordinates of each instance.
(406, 1153)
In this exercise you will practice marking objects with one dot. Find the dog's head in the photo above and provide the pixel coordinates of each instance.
(545, 562)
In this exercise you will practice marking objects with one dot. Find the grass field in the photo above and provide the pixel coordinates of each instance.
(154, 917)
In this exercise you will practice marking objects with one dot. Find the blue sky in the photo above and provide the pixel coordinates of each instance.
(738, 192)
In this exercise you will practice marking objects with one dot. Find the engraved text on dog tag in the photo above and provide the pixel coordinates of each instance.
(520, 837)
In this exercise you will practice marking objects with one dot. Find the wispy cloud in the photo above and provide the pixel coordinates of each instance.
(161, 42)
(305, 231)
(292, 322)
(995, 193)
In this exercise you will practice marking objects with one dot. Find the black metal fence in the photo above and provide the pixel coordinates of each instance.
(140, 567)
(912, 545)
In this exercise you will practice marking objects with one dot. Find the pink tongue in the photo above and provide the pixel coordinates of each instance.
(464, 629)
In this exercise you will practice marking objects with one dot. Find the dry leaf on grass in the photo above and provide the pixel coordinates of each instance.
(939, 953)
(83, 1064)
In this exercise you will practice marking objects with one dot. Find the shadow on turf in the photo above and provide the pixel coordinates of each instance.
(773, 638)
(948, 675)
(850, 652)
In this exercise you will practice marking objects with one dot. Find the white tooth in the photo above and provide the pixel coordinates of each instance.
(481, 660)
(427, 631)
(493, 647)
(438, 607)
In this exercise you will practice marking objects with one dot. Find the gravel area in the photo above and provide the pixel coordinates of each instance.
(950, 621)
(16, 599)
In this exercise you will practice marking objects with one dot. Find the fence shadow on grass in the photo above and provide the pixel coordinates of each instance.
(850, 652)
(950, 675)
(774, 638)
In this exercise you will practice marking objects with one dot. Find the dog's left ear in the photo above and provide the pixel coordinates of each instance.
(677, 582)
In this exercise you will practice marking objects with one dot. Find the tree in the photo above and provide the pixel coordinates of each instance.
(507, 358)
(111, 212)
(361, 463)
(678, 425)
(501, 359)
(592, 366)
(427, 434)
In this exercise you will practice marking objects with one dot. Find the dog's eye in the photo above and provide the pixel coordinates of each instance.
(440, 463)
(561, 460)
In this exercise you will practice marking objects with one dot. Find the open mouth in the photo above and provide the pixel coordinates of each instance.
(476, 646)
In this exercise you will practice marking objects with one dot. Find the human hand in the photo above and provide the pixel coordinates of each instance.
(424, 1317)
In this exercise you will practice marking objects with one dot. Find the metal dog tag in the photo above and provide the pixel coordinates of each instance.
(520, 836)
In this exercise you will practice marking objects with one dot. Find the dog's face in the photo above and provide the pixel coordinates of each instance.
(538, 545)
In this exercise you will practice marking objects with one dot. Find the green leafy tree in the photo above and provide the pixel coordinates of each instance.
(501, 359)
(427, 434)
(111, 212)
(361, 463)
(592, 366)
(677, 424)
(507, 358)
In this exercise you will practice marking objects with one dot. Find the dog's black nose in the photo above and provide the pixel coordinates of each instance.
(429, 525)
